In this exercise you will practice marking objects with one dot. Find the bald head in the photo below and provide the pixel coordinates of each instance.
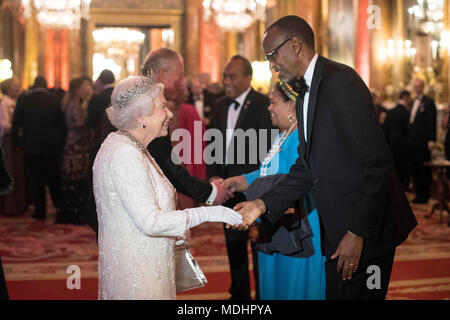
(159, 59)
(294, 26)
(289, 46)
(168, 67)
(418, 86)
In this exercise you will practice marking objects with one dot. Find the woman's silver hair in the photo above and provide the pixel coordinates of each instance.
(132, 98)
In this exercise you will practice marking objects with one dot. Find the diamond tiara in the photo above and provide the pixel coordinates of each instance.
(141, 86)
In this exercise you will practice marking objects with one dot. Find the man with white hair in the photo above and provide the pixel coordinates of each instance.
(168, 68)
(422, 137)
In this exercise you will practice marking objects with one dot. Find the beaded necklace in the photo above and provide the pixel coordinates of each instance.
(144, 150)
(276, 148)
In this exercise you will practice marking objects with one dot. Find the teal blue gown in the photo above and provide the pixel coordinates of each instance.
(289, 278)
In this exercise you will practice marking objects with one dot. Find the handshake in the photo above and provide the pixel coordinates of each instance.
(249, 210)
(227, 188)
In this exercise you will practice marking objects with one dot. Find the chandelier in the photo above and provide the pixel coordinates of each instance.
(234, 15)
(121, 35)
(58, 13)
(428, 16)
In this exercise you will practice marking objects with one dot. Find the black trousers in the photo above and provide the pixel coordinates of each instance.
(420, 173)
(370, 282)
(3, 289)
(42, 171)
(237, 242)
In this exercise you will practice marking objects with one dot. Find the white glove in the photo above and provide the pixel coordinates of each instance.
(185, 239)
(213, 214)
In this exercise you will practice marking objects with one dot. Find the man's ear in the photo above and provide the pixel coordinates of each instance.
(297, 45)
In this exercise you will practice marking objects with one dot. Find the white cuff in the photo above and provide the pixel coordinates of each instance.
(212, 196)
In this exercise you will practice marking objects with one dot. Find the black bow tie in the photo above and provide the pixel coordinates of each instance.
(299, 86)
(234, 103)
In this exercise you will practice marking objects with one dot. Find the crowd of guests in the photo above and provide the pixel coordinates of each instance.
(56, 137)
(410, 130)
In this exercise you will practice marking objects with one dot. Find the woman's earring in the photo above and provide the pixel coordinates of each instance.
(144, 126)
(291, 118)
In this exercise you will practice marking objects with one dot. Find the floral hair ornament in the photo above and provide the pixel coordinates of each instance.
(295, 88)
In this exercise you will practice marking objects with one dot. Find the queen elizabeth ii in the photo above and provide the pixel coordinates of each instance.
(138, 223)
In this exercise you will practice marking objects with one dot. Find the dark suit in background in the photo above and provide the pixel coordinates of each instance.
(348, 164)
(253, 115)
(39, 118)
(97, 105)
(395, 127)
(96, 111)
(422, 129)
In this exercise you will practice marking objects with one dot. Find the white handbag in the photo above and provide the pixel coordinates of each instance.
(188, 274)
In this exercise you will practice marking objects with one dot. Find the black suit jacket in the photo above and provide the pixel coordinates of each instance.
(396, 127)
(41, 121)
(253, 115)
(423, 129)
(348, 164)
(97, 105)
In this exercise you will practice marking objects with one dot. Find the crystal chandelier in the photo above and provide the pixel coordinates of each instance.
(58, 13)
(428, 16)
(234, 15)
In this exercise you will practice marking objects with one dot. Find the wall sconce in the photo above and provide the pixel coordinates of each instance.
(5, 69)
(397, 49)
(261, 75)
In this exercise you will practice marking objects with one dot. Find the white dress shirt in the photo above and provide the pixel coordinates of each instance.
(233, 115)
(308, 78)
(415, 108)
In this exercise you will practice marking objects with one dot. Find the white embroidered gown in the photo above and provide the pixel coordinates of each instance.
(137, 223)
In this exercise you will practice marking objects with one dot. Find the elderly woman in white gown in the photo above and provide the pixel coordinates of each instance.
(138, 223)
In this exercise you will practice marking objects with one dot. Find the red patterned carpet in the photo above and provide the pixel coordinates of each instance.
(36, 255)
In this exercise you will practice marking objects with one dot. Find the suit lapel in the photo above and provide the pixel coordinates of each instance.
(312, 103)
(223, 116)
(244, 109)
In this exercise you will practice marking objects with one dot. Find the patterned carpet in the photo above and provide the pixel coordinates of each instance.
(36, 255)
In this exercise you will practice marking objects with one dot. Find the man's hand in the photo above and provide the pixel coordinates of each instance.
(349, 252)
(250, 211)
(223, 194)
(238, 183)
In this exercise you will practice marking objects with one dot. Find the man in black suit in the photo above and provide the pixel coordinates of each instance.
(168, 68)
(38, 116)
(202, 99)
(344, 158)
(100, 101)
(395, 127)
(245, 109)
(422, 136)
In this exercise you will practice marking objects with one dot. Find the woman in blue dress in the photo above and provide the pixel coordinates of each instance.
(283, 277)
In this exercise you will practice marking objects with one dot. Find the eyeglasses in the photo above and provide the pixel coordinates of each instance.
(269, 55)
